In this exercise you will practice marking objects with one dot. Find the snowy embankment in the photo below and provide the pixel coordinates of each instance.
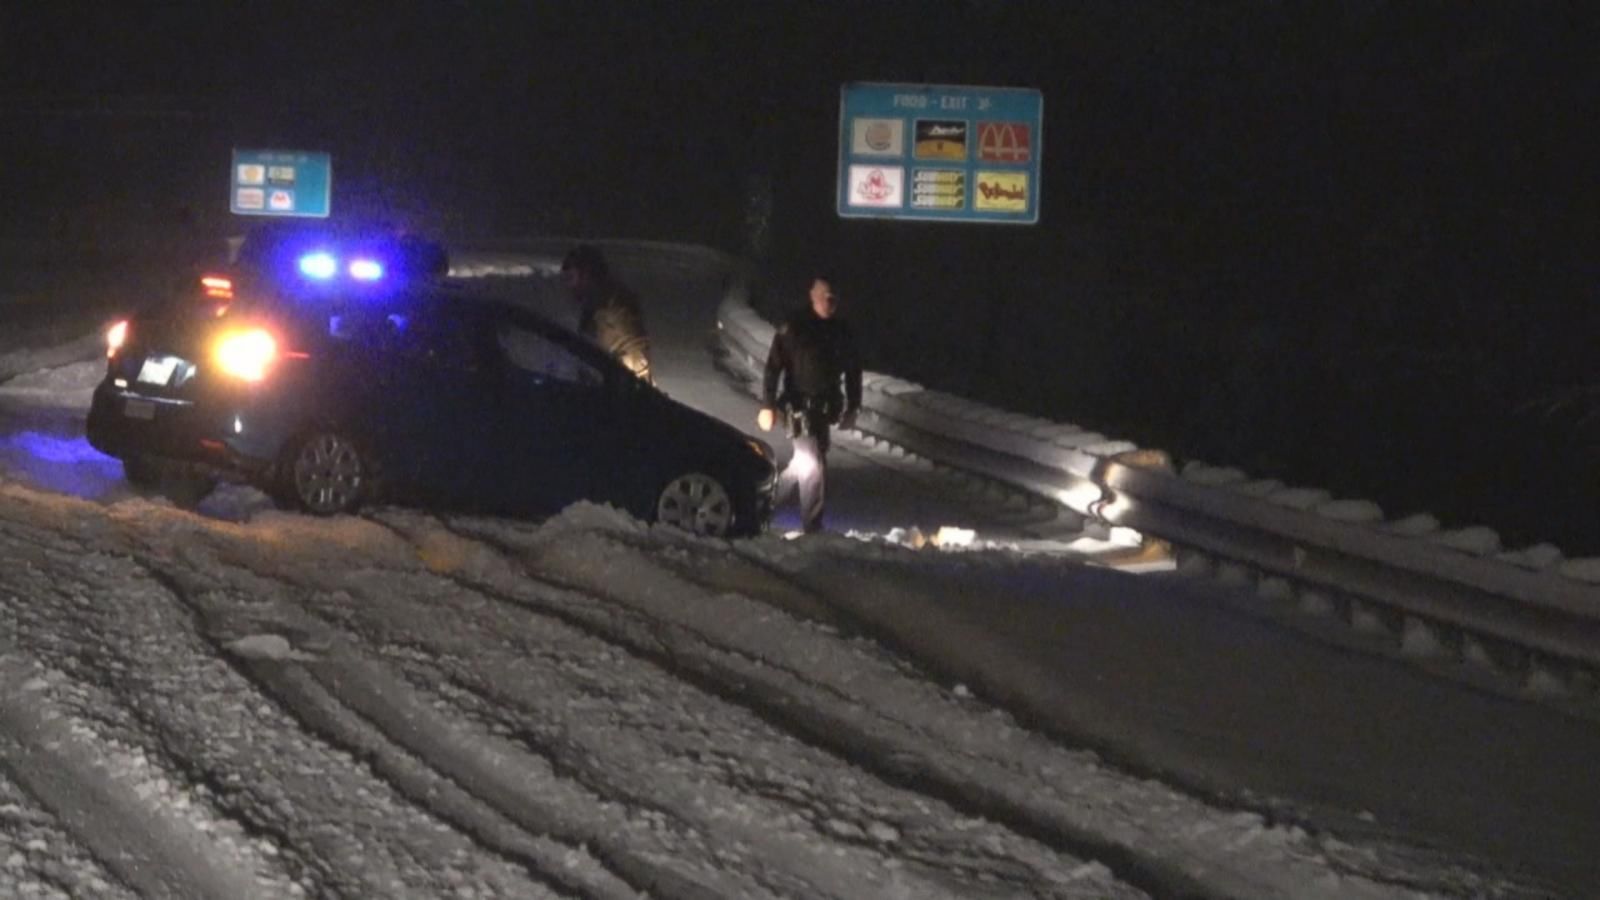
(409, 704)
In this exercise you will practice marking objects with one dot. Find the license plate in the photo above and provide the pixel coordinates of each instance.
(139, 409)
(158, 370)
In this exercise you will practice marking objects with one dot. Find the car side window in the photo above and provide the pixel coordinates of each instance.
(438, 339)
(414, 335)
(544, 361)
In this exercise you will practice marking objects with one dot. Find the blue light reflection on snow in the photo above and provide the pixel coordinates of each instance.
(61, 463)
(57, 449)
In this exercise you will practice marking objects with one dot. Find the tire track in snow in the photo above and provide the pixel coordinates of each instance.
(351, 833)
(507, 799)
(354, 712)
(480, 763)
(39, 858)
(784, 697)
(364, 728)
(1152, 836)
(635, 734)
(207, 549)
(131, 828)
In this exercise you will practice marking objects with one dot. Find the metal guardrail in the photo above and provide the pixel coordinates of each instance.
(1522, 611)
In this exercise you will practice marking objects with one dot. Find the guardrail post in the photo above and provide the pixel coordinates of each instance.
(1422, 639)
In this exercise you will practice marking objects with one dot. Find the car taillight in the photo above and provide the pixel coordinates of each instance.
(116, 336)
(217, 287)
(247, 354)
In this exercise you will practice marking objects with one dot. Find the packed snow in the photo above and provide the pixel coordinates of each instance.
(947, 696)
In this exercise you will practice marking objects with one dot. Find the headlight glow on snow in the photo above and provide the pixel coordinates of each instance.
(247, 354)
(319, 265)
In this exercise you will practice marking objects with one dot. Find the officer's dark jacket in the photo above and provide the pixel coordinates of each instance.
(809, 357)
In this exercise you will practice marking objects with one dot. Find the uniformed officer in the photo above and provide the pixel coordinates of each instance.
(813, 377)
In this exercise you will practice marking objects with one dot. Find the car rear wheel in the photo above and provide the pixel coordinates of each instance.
(697, 503)
(325, 474)
(141, 472)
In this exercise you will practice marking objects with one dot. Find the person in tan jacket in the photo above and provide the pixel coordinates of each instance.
(608, 312)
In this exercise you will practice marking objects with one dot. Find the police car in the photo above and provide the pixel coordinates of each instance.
(334, 373)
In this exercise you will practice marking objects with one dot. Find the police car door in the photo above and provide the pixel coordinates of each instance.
(555, 417)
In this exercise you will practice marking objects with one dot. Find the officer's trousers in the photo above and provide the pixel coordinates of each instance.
(810, 468)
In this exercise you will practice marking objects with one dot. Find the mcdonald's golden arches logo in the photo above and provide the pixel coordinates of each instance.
(1009, 142)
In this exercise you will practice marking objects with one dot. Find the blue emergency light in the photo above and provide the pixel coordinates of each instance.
(366, 269)
(319, 265)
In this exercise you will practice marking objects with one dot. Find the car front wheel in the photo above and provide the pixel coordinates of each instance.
(325, 474)
(697, 503)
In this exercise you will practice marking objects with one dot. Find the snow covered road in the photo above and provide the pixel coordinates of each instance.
(409, 705)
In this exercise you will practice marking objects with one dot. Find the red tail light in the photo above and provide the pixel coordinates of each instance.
(116, 336)
(217, 287)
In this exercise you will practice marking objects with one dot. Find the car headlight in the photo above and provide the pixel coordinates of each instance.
(762, 449)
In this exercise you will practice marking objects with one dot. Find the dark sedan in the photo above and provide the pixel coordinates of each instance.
(423, 395)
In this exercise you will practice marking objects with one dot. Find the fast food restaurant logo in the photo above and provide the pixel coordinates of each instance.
(1009, 142)
(875, 187)
(1002, 191)
(941, 139)
(882, 186)
(878, 137)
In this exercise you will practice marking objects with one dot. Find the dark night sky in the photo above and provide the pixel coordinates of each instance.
(1147, 105)
(1367, 186)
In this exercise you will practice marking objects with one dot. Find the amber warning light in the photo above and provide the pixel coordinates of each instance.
(246, 355)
